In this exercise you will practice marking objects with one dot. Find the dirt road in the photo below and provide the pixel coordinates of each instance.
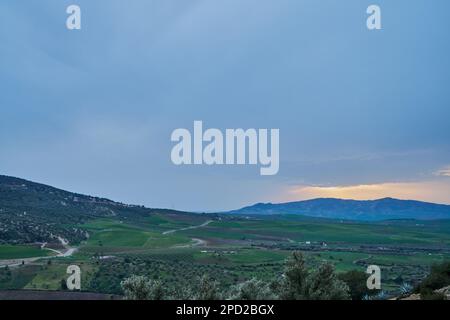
(18, 262)
(188, 228)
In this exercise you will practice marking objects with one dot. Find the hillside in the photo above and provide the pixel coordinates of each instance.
(33, 212)
(177, 247)
(369, 210)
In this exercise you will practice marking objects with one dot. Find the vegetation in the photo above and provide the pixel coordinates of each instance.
(21, 252)
(246, 255)
(296, 283)
(356, 281)
(438, 278)
(208, 289)
(141, 288)
(321, 284)
(252, 289)
(32, 212)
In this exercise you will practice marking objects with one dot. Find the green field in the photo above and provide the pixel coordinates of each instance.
(330, 232)
(233, 249)
(21, 252)
(108, 236)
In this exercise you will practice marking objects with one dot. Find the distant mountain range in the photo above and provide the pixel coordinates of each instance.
(367, 210)
(33, 212)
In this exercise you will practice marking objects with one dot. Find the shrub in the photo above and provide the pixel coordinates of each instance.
(357, 283)
(252, 290)
(438, 278)
(321, 284)
(141, 288)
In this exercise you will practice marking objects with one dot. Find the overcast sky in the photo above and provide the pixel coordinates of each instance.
(362, 114)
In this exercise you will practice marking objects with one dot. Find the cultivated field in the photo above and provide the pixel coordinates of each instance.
(178, 248)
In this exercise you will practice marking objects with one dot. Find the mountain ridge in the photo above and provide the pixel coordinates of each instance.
(35, 212)
(348, 209)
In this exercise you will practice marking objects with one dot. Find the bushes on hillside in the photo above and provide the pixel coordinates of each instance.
(322, 284)
(208, 289)
(356, 281)
(438, 278)
(141, 288)
(252, 289)
(297, 283)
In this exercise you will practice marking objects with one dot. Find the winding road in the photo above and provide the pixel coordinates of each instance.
(70, 251)
(196, 242)
(188, 228)
(18, 262)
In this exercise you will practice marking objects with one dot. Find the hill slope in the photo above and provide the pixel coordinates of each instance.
(369, 210)
(33, 212)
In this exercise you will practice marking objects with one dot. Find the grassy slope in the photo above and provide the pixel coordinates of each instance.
(110, 236)
(50, 276)
(22, 251)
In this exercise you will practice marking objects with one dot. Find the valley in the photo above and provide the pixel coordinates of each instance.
(111, 241)
(233, 248)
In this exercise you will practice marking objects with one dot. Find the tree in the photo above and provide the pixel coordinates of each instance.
(142, 288)
(438, 278)
(323, 284)
(356, 281)
(157, 291)
(294, 282)
(252, 290)
(63, 284)
(208, 289)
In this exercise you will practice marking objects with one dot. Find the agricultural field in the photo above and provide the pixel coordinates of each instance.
(109, 236)
(331, 232)
(21, 251)
(177, 248)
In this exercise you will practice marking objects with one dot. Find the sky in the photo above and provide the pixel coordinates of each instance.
(362, 114)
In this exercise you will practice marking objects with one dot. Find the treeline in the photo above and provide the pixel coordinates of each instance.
(27, 228)
(296, 283)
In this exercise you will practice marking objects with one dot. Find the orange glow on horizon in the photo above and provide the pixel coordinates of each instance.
(430, 191)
